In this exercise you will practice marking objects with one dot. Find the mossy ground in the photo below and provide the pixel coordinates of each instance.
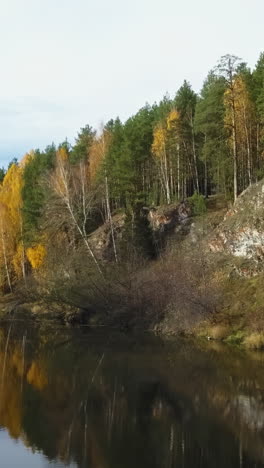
(241, 319)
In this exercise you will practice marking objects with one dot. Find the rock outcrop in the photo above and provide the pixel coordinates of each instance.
(101, 240)
(242, 231)
(165, 218)
(162, 220)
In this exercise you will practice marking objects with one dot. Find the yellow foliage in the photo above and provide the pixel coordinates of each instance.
(11, 193)
(36, 255)
(243, 106)
(254, 341)
(11, 218)
(240, 119)
(26, 159)
(62, 154)
(158, 146)
(36, 376)
(97, 155)
(18, 259)
(172, 119)
(10, 409)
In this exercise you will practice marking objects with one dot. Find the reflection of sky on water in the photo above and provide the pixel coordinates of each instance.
(13, 453)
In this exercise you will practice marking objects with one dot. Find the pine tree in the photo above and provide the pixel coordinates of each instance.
(212, 135)
(185, 103)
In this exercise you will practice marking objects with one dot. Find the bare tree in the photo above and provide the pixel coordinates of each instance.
(71, 186)
(97, 162)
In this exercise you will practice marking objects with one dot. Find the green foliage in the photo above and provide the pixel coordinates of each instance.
(33, 193)
(198, 204)
(236, 338)
(161, 110)
(128, 156)
(2, 174)
(83, 142)
(212, 134)
(258, 86)
(185, 103)
(185, 100)
(13, 161)
(117, 163)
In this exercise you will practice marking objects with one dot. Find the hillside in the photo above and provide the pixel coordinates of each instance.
(128, 225)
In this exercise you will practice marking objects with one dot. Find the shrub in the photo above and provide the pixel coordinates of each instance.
(236, 338)
(198, 204)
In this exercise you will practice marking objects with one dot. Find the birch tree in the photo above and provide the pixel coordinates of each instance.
(97, 164)
(71, 186)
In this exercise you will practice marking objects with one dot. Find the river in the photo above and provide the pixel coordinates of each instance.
(101, 399)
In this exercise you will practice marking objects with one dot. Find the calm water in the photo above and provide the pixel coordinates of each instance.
(100, 400)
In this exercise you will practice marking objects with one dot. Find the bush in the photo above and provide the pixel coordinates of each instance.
(235, 338)
(198, 204)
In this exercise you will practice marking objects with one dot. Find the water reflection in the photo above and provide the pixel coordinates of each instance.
(74, 398)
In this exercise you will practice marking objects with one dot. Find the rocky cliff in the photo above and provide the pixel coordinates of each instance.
(241, 233)
(161, 221)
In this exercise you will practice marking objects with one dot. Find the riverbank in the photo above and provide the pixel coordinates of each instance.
(207, 279)
(229, 326)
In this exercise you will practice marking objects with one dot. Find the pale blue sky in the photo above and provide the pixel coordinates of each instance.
(66, 63)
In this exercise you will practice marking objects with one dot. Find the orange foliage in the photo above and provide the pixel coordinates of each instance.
(36, 255)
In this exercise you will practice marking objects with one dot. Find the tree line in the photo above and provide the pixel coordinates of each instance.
(206, 143)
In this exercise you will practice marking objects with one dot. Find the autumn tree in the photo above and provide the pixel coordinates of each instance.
(71, 188)
(5, 245)
(11, 224)
(98, 170)
(159, 148)
(246, 126)
(176, 154)
(227, 68)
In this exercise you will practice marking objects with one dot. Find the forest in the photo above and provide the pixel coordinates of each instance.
(188, 145)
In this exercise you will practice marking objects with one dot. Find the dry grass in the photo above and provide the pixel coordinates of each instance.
(254, 341)
(218, 332)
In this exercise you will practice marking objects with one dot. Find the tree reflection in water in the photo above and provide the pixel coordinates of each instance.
(146, 403)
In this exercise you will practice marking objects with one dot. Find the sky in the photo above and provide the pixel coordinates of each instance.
(68, 63)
